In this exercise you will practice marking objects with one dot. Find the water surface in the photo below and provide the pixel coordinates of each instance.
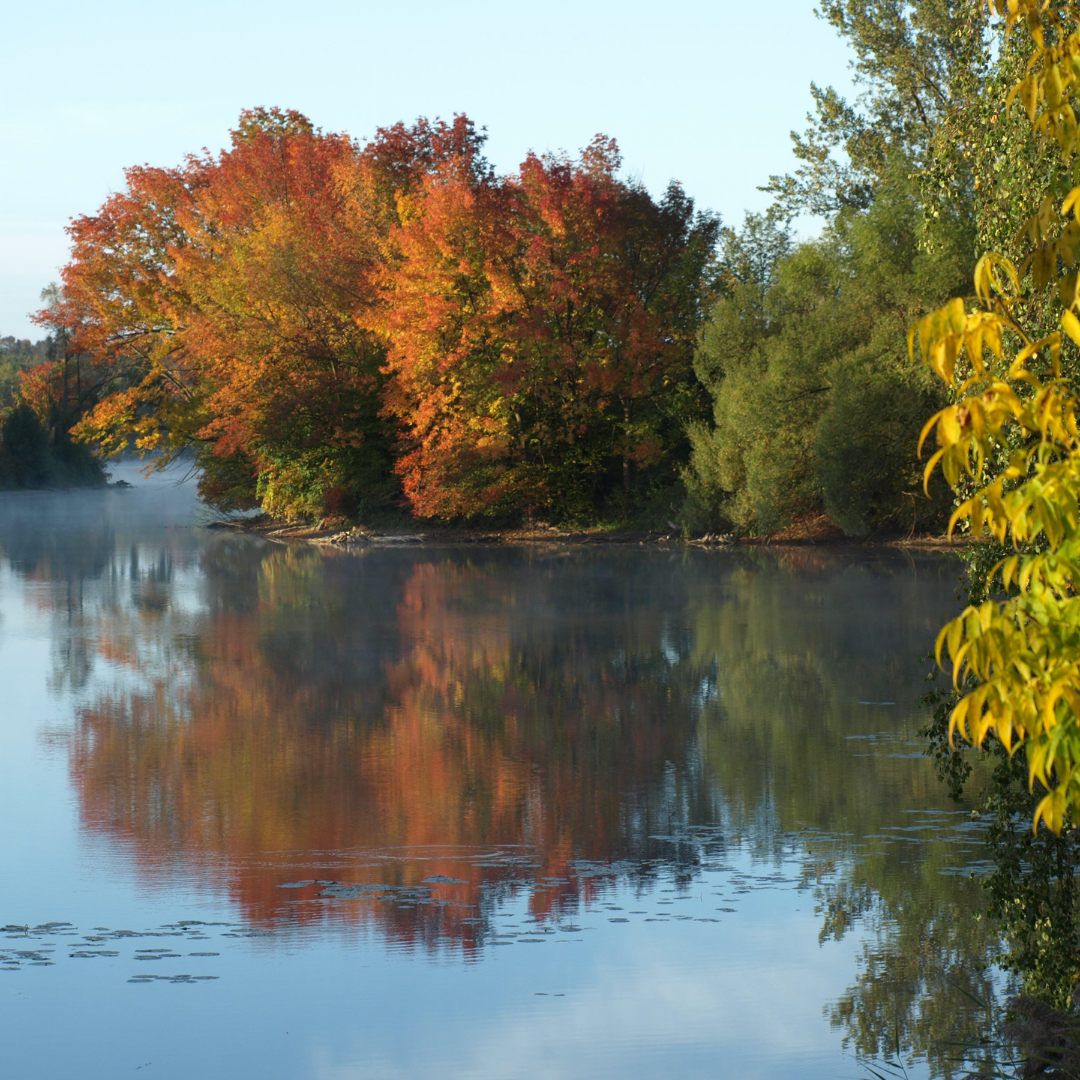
(287, 812)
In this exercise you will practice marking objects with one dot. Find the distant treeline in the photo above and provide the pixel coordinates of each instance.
(37, 411)
(17, 356)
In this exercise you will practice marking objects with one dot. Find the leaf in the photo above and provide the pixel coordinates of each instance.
(1070, 202)
(1028, 92)
(1071, 325)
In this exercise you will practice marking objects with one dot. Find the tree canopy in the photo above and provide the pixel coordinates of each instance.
(817, 406)
(333, 326)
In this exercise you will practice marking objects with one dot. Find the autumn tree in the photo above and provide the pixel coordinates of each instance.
(321, 322)
(235, 301)
(541, 331)
(223, 293)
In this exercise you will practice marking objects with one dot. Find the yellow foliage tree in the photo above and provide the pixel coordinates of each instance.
(1012, 439)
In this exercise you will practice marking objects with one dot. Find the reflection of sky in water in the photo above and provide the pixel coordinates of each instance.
(496, 888)
(636, 997)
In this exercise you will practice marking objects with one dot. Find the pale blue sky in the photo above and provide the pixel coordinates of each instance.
(702, 92)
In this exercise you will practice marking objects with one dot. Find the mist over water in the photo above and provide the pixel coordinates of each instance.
(284, 811)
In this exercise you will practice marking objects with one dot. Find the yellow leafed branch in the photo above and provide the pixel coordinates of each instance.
(1013, 434)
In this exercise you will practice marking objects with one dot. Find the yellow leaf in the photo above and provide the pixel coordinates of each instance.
(1071, 203)
(955, 312)
(1052, 86)
(1071, 325)
(926, 429)
(929, 471)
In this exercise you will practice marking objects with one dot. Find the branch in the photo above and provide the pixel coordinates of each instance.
(805, 393)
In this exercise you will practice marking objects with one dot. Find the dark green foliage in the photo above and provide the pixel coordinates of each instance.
(43, 391)
(29, 459)
(816, 403)
(864, 446)
(24, 449)
(73, 464)
(228, 483)
(1032, 890)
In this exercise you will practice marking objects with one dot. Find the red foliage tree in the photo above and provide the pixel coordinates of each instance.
(541, 336)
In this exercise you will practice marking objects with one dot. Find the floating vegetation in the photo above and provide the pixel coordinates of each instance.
(93, 946)
(480, 917)
(172, 978)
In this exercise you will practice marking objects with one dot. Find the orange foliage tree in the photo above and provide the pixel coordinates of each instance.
(541, 330)
(232, 299)
(327, 323)
(224, 294)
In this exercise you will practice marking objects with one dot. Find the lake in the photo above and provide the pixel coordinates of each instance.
(478, 811)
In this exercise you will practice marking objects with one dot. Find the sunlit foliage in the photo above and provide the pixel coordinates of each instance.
(330, 326)
(1011, 439)
(230, 297)
(541, 334)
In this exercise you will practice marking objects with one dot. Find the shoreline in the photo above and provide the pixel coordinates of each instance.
(281, 532)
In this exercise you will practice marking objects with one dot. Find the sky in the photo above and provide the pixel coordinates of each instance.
(702, 91)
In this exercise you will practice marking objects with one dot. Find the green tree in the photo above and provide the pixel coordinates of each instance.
(816, 404)
(915, 66)
(24, 449)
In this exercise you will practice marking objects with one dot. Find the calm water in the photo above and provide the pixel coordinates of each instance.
(283, 812)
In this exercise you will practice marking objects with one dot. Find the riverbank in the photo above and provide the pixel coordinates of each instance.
(810, 531)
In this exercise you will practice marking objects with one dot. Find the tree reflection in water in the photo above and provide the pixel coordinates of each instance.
(262, 714)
